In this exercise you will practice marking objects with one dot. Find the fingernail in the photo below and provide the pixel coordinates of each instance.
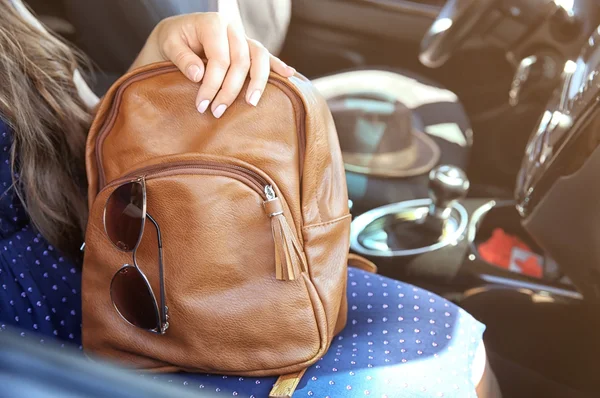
(293, 70)
(219, 110)
(253, 100)
(203, 106)
(194, 73)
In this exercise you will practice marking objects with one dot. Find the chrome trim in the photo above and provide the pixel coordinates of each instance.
(532, 286)
(520, 78)
(476, 218)
(362, 221)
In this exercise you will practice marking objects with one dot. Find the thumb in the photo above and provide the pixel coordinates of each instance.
(186, 60)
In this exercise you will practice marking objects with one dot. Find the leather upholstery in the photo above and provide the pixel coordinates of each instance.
(205, 178)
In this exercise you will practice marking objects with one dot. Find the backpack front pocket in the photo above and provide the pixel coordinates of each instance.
(234, 271)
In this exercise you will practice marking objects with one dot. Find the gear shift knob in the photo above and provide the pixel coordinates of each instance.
(446, 184)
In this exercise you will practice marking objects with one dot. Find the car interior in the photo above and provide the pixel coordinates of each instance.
(483, 113)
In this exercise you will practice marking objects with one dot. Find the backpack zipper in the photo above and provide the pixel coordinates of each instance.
(242, 174)
(290, 260)
(109, 122)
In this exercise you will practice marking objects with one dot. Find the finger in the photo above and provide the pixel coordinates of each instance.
(216, 48)
(239, 55)
(259, 71)
(281, 67)
(179, 52)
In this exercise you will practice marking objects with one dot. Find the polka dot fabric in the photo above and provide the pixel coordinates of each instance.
(39, 288)
(400, 341)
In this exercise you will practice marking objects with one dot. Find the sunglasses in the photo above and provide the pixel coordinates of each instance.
(130, 291)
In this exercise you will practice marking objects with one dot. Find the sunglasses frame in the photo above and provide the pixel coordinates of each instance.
(161, 312)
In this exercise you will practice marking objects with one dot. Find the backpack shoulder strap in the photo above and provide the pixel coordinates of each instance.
(285, 385)
(356, 261)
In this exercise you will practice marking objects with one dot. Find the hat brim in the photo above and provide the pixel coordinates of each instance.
(418, 159)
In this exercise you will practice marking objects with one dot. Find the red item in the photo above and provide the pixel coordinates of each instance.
(499, 250)
(531, 267)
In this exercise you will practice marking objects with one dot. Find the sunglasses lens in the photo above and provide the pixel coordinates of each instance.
(124, 215)
(132, 297)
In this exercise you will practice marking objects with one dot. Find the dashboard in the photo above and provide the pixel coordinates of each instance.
(568, 131)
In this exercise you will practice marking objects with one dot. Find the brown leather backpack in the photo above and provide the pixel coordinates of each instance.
(253, 214)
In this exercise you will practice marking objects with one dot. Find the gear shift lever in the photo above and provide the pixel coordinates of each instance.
(416, 226)
(446, 185)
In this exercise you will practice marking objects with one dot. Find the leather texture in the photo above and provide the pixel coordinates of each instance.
(229, 312)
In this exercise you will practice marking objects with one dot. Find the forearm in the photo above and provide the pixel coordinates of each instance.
(150, 53)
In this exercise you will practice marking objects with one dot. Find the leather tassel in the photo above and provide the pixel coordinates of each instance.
(289, 256)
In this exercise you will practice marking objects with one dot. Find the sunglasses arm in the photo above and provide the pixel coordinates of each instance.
(163, 305)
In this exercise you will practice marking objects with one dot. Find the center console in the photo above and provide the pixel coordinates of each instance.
(453, 241)
(558, 190)
(555, 215)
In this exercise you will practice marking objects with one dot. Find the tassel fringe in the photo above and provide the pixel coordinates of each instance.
(289, 256)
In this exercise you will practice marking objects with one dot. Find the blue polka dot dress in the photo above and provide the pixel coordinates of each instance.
(39, 288)
(400, 340)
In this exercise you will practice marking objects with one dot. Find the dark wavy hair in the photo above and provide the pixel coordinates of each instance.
(49, 120)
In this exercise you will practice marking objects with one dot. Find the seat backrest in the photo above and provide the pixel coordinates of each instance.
(112, 32)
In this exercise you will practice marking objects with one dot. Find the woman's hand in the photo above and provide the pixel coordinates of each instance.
(230, 54)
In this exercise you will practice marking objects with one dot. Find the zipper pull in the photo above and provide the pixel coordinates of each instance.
(270, 193)
(289, 256)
